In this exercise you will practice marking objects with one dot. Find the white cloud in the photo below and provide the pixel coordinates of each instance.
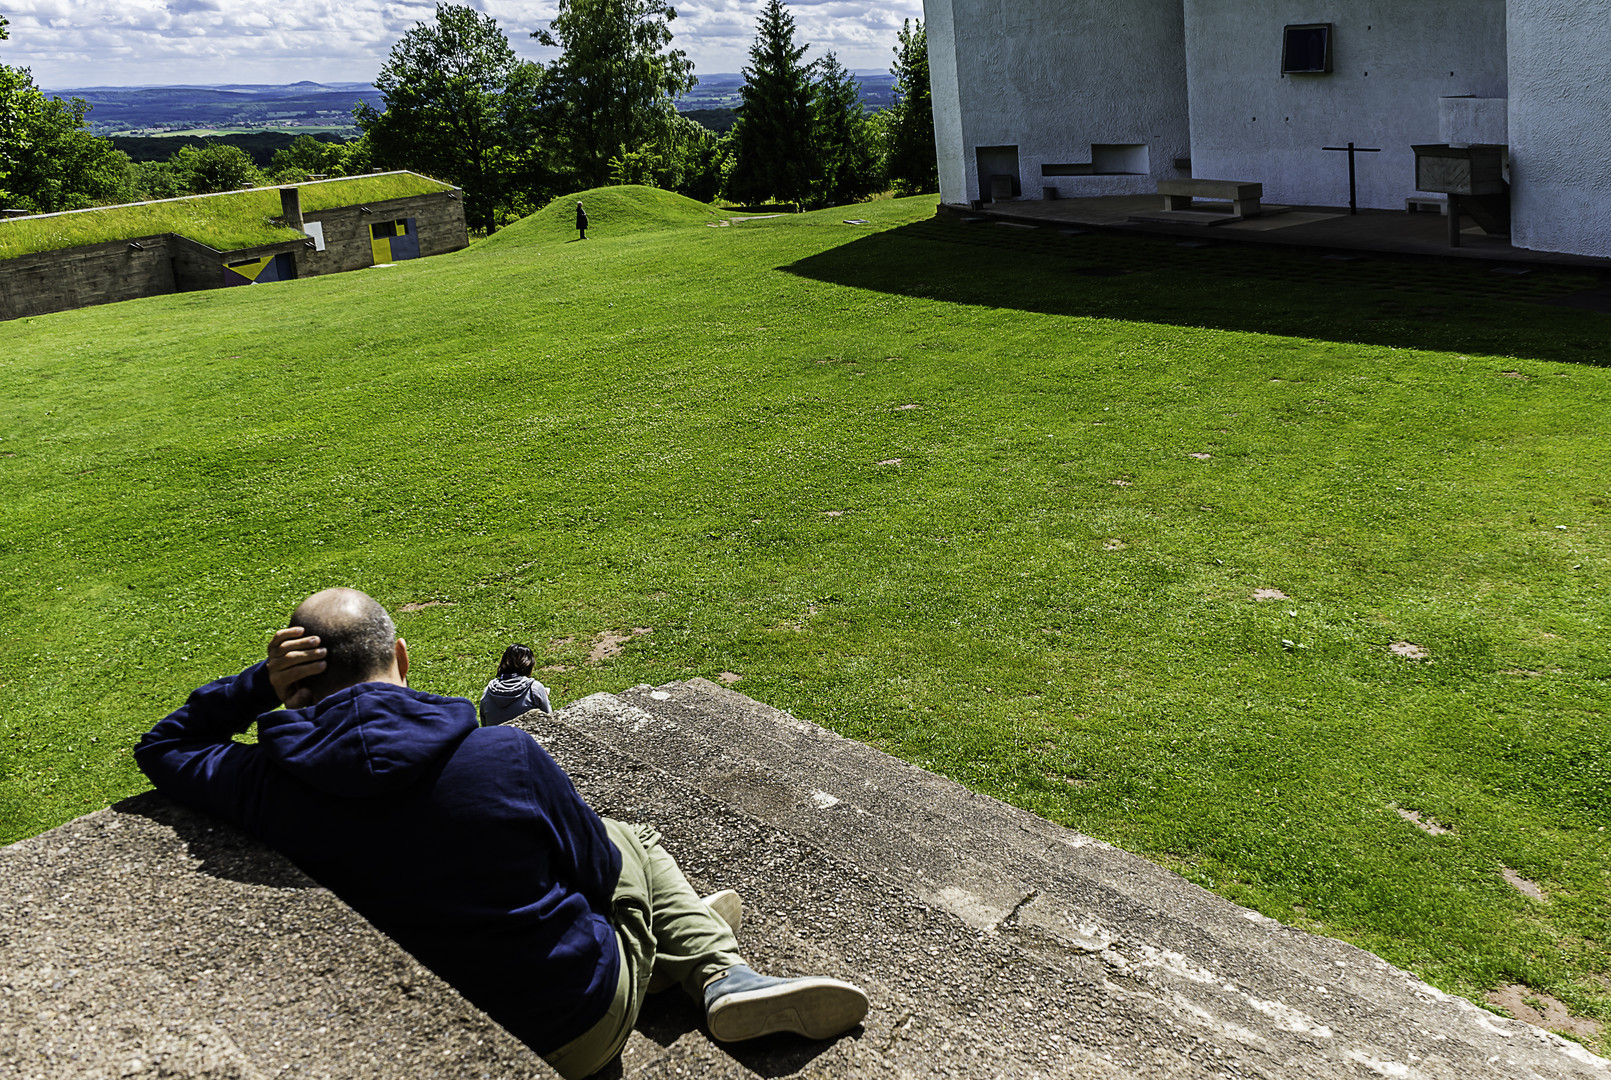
(130, 42)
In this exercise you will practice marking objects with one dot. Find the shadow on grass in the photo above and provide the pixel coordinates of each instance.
(1428, 304)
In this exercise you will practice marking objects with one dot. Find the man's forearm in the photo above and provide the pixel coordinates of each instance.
(191, 755)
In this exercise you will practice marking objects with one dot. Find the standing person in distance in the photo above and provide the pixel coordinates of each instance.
(513, 692)
(581, 220)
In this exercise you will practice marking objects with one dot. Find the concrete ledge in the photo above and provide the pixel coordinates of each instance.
(148, 941)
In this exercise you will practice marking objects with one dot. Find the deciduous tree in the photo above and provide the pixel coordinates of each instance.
(444, 86)
(612, 94)
(49, 160)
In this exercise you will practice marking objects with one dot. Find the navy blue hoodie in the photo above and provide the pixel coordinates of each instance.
(467, 845)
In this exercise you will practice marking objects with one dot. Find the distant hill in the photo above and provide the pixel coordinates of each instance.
(158, 110)
(311, 106)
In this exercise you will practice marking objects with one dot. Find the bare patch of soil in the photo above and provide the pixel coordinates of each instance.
(1424, 822)
(559, 643)
(1203, 457)
(1522, 885)
(1113, 544)
(833, 513)
(1541, 1010)
(609, 644)
(421, 606)
(1270, 594)
(729, 677)
(1515, 375)
(556, 667)
(1409, 650)
(899, 408)
(1121, 482)
(891, 461)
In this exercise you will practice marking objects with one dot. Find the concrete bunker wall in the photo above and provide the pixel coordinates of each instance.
(92, 274)
(348, 244)
(1392, 65)
(1085, 97)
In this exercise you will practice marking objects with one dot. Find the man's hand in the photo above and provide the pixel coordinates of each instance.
(292, 658)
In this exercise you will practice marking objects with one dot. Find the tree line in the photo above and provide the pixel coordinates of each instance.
(459, 105)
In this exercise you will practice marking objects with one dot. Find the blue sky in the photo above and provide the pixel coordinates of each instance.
(132, 42)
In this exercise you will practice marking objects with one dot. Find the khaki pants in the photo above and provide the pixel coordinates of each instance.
(661, 926)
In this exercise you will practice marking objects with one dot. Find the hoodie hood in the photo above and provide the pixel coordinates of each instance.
(509, 689)
(368, 739)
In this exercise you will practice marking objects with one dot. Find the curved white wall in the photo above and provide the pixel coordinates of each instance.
(1392, 62)
(1560, 125)
(1055, 78)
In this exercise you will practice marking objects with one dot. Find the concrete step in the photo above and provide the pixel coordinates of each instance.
(1006, 926)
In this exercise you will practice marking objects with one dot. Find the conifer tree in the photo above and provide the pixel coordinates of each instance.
(847, 160)
(773, 152)
(912, 160)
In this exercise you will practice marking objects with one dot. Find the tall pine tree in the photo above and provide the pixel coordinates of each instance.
(912, 160)
(773, 152)
(847, 159)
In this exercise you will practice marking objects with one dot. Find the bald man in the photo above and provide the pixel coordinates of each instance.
(467, 845)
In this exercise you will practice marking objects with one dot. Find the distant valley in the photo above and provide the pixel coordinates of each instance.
(310, 107)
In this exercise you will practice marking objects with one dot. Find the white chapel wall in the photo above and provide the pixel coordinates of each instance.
(1393, 62)
(1560, 125)
(939, 23)
(1092, 90)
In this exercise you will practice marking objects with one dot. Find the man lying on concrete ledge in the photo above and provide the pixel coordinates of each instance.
(467, 845)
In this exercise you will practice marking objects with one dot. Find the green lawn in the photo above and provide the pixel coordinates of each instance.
(965, 492)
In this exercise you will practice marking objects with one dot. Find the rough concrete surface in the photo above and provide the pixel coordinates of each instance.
(146, 941)
(993, 943)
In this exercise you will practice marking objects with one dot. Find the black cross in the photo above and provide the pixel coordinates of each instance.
(1353, 185)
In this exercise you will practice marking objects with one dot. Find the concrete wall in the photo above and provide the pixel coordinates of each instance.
(1560, 125)
(1393, 61)
(438, 217)
(78, 277)
(1054, 79)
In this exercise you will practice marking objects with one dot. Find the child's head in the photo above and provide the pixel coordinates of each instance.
(517, 660)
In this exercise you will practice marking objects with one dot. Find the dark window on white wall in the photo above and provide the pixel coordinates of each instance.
(1306, 49)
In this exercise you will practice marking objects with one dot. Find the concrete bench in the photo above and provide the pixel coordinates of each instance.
(1243, 196)
(1420, 204)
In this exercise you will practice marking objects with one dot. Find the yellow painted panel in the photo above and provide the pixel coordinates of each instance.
(250, 270)
(381, 249)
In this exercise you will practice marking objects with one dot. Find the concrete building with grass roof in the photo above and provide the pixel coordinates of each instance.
(1079, 98)
(78, 258)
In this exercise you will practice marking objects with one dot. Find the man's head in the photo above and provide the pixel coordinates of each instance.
(517, 660)
(360, 641)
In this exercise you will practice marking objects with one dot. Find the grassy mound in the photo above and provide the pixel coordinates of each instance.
(611, 211)
(227, 221)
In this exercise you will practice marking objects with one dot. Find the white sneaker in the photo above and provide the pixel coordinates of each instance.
(741, 1004)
